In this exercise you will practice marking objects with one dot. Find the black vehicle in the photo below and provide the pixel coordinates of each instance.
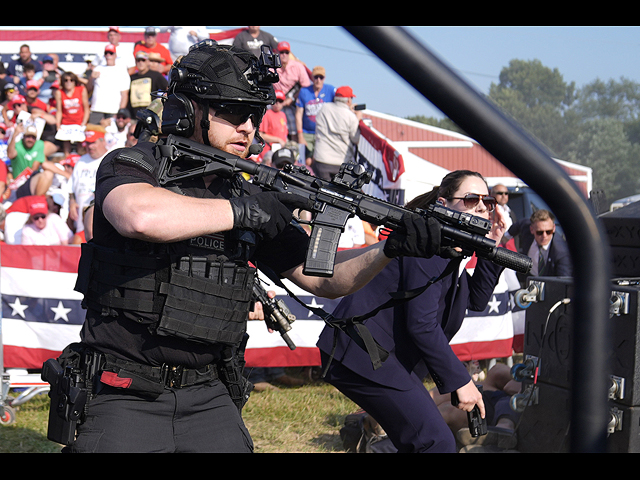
(524, 201)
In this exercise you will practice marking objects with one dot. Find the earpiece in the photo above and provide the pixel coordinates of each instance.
(178, 116)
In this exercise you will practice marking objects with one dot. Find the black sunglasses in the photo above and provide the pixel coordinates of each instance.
(471, 200)
(541, 232)
(237, 114)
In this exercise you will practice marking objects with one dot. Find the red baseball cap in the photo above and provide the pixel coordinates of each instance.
(18, 99)
(345, 92)
(37, 207)
(33, 84)
(92, 136)
(71, 160)
(284, 47)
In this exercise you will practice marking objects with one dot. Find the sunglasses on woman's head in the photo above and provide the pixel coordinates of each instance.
(471, 200)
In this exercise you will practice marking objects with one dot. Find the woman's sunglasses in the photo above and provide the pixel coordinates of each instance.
(471, 200)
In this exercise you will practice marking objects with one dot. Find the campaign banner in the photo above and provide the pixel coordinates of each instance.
(74, 46)
(377, 155)
(41, 312)
(497, 331)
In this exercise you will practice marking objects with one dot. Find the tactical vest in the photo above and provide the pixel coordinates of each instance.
(175, 292)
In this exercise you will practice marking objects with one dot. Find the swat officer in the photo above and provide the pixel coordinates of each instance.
(168, 275)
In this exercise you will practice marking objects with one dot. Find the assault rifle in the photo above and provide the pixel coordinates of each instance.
(277, 315)
(332, 203)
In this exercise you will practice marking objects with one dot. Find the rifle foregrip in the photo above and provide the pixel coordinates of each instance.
(513, 260)
(321, 254)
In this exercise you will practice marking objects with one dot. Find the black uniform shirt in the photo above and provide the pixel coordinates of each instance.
(129, 340)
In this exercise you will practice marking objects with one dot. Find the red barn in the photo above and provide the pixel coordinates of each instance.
(429, 153)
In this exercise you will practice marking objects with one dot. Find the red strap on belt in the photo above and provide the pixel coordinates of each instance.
(113, 380)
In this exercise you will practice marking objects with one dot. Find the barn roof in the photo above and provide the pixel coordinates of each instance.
(454, 151)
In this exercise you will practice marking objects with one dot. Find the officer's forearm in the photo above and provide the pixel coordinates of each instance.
(353, 270)
(151, 214)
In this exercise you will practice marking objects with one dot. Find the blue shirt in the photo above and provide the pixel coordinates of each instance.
(16, 67)
(307, 99)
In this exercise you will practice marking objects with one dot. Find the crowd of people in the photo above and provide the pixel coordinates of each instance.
(53, 120)
(54, 192)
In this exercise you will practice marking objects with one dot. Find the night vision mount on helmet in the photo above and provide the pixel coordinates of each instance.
(212, 74)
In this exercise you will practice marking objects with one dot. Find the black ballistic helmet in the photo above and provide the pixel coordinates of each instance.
(216, 73)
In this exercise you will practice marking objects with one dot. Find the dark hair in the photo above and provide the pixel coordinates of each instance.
(542, 216)
(448, 187)
(70, 75)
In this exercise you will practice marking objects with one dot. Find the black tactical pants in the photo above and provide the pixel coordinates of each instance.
(197, 419)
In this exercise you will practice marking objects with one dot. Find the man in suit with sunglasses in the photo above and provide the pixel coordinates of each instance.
(548, 250)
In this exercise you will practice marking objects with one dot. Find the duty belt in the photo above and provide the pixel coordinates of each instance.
(180, 377)
(142, 378)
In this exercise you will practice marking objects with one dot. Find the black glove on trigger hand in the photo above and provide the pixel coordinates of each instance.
(419, 237)
(265, 212)
(449, 253)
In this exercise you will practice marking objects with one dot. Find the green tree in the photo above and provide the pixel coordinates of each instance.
(613, 99)
(535, 85)
(539, 99)
(603, 145)
(597, 125)
(610, 109)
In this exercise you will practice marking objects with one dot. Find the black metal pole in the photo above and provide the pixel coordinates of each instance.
(528, 160)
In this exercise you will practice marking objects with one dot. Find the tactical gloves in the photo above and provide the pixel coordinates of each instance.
(267, 213)
(418, 237)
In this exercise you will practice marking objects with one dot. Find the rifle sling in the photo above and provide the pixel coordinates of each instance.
(354, 326)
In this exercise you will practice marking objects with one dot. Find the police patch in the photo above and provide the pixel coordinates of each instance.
(214, 242)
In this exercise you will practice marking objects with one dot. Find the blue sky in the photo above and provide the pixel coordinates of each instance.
(581, 54)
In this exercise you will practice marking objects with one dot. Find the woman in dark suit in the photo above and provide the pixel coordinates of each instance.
(417, 333)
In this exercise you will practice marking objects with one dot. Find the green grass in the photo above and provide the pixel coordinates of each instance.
(29, 433)
(298, 420)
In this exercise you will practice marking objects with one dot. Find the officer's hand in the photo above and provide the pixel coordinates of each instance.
(257, 313)
(449, 252)
(264, 212)
(419, 237)
(469, 396)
